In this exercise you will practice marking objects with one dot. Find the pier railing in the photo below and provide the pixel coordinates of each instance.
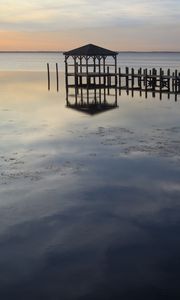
(129, 78)
(152, 80)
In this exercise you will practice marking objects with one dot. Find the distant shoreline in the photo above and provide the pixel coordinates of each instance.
(1, 52)
(31, 51)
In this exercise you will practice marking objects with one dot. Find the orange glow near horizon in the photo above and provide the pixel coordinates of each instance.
(120, 40)
(36, 41)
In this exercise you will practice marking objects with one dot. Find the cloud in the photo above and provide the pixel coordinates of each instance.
(51, 24)
(55, 15)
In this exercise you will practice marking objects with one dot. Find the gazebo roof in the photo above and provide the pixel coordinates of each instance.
(90, 50)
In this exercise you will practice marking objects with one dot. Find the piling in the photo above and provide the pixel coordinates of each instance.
(176, 75)
(119, 81)
(48, 74)
(108, 80)
(139, 78)
(132, 78)
(168, 79)
(57, 77)
(127, 78)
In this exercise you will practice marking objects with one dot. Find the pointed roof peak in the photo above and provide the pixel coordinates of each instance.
(90, 50)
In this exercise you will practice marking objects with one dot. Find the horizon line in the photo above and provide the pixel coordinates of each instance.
(61, 51)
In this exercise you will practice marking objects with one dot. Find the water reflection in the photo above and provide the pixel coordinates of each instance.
(94, 100)
(91, 101)
(150, 93)
(88, 210)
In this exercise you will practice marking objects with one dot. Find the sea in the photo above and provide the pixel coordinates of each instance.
(89, 203)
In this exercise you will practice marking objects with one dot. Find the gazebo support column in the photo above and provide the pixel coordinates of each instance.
(94, 79)
(104, 79)
(87, 80)
(66, 78)
(99, 59)
(115, 59)
(76, 78)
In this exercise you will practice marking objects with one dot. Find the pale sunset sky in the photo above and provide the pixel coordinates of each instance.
(124, 25)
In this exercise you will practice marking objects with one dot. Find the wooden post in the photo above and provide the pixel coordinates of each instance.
(77, 76)
(168, 79)
(173, 81)
(104, 78)
(153, 80)
(119, 81)
(94, 78)
(145, 79)
(178, 82)
(154, 73)
(80, 71)
(108, 79)
(140, 81)
(76, 79)
(94, 70)
(48, 73)
(115, 70)
(104, 95)
(140, 78)
(176, 74)
(145, 82)
(81, 95)
(127, 78)
(99, 58)
(116, 96)
(99, 95)
(57, 77)
(87, 80)
(161, 80)
(104, 71)
(66, 74)
(99, 71)
(75, 72)
(95, 96)
(169, 82)
(132, 78)
(132, 93)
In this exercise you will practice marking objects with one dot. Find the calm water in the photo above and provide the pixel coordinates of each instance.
(89, 205)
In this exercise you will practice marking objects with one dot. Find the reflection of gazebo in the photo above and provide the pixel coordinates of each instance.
(92, 109)
(89, 68)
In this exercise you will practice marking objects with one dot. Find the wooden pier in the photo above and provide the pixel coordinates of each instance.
(149, 80)
(94, 68)
(142, 79)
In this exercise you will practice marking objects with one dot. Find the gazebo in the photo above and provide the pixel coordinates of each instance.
(88, 67)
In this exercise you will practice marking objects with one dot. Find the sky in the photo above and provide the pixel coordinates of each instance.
(122, 25)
